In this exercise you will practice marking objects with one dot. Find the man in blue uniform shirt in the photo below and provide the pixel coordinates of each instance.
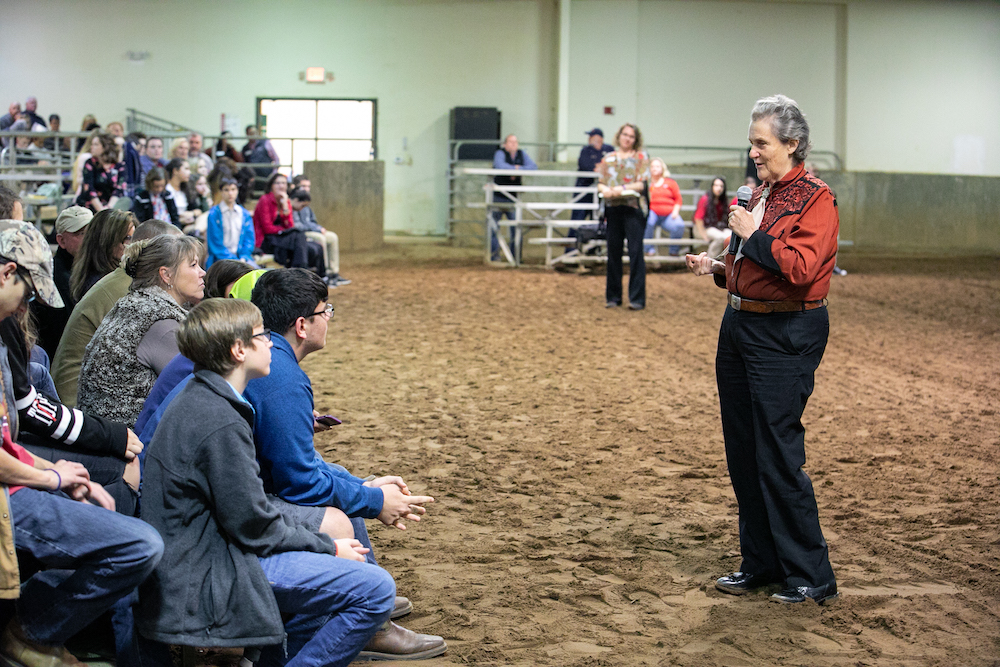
(590, 157)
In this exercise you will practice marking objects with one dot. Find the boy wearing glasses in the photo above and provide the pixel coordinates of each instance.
(321, 496)
(233, 565)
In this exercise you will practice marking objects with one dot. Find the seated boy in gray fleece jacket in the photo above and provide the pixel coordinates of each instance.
(232, 565)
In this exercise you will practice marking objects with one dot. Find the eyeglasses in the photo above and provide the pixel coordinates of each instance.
(31, 292)
(327, 312)
(265, 334)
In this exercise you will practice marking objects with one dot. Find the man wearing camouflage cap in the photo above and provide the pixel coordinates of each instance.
(106, 554)
(71, 226)
(24, 246)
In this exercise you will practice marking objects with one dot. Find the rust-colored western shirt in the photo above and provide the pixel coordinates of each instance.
(792, 254)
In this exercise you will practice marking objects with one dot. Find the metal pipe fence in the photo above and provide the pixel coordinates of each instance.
(559, 152)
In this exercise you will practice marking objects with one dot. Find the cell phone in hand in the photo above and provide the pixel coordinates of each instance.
(328, 420)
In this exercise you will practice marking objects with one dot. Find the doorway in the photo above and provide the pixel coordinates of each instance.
(308, 129)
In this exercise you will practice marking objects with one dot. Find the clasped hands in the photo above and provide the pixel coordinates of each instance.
(74, 479)
(398, 504)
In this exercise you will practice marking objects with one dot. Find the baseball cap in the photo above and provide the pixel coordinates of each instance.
(20, 242)
(596, 130)
(73, 219)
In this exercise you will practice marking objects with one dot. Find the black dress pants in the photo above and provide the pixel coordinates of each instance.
(580, 214)
(626, 222)
(765, 371)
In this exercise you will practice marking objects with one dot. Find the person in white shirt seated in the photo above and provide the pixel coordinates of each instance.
(178, 175)
(230, 233)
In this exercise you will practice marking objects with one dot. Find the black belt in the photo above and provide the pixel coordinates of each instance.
(752, 306)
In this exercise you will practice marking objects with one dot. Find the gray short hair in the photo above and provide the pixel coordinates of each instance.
(787, 122)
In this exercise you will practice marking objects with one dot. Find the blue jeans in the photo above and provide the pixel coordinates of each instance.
(672, 224)
(358, 523)
(38, 370)
(92, 557)
(335, 604)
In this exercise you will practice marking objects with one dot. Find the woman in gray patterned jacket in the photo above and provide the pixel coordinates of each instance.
(138, 336)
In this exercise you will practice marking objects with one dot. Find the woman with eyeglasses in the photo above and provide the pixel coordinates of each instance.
(137, 338)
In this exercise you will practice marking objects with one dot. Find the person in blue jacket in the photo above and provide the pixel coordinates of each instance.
(322, 496)
(235, 572)
(230, 231)
(325, 498)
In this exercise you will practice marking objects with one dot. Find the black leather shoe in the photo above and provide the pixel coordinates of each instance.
(741, 583)
(821, 594)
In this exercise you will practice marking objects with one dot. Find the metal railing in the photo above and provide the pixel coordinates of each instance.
(551, 151)
(140, 121)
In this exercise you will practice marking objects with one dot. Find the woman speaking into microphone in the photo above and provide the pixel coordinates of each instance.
(772, 339)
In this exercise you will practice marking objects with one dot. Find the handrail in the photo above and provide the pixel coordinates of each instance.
(482, 171)
(548, 151)
(136, 117)
(553, 148)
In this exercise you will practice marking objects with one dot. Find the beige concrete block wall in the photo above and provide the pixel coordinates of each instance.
(348, 199)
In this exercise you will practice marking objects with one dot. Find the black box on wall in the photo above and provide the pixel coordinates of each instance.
(475, 123)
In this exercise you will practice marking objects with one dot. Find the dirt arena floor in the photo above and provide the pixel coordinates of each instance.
(583, 504)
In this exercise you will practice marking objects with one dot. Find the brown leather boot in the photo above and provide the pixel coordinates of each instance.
(20, 650)
(402, 608)
(393, 642)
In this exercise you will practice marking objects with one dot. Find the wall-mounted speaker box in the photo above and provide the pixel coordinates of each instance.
(475, 123)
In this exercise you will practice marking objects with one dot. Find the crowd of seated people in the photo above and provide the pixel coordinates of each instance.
(154, 342)
(118, 170)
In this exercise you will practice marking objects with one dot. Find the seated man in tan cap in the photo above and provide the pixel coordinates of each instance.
(71, 225)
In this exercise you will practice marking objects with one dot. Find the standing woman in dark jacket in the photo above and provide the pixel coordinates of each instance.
(103, 180)
(101, 250)
(156, 202)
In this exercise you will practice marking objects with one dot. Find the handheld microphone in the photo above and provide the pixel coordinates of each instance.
(743, 199)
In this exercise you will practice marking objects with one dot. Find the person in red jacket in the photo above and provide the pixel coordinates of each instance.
(276, 231)
(664, 204)
(771, 341)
